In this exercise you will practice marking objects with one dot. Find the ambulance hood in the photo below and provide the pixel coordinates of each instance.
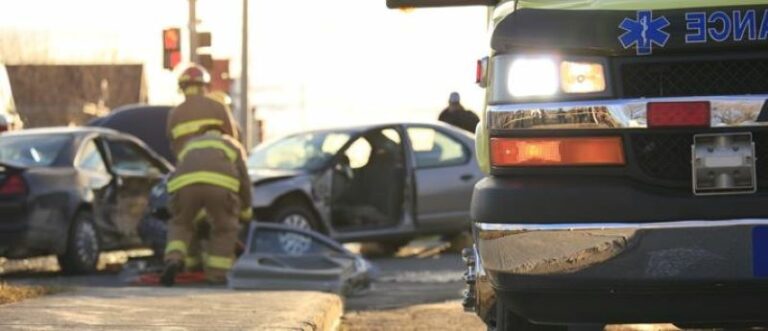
(632, 4)
(632, 27)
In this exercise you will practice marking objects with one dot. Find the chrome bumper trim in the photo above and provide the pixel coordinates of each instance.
(672, 251)
(727, 111)
(616, 226)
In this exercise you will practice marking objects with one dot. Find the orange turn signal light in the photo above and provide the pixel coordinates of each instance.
(572, 151)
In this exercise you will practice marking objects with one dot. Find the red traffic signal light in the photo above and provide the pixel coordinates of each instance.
(171, 48)
(172, 39)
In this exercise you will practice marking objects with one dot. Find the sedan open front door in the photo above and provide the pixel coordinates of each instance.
(446, 173)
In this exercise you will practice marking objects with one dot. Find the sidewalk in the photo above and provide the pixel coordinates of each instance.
(155, 308)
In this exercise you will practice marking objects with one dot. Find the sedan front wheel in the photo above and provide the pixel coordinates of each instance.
(83, 246)
(298, 216)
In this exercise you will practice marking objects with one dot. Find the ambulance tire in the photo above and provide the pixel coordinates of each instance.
(505, 320)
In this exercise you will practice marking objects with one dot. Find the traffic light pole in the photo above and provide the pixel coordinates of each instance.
(245, 113)
(193, 31)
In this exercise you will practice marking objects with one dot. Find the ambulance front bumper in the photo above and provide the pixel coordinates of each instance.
(708, 251)
(687, 271)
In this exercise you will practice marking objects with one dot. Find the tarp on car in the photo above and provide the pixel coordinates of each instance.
(632, 4)
(148, 123)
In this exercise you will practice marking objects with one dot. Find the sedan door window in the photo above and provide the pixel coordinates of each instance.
(90, 158)
(433, 149)
(127, 156)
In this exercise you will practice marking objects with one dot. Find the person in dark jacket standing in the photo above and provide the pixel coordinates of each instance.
(456, 115)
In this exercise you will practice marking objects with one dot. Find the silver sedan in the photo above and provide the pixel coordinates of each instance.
(384, 183)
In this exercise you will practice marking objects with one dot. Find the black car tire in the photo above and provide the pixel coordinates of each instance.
(300, 216)
(154, 233)
(83, 246)
(505, 320)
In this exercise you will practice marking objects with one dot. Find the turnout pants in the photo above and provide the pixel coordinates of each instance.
(223, 207)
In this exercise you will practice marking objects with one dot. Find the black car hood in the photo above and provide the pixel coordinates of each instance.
(261, 176)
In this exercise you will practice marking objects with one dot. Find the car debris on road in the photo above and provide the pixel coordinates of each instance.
(266, 264)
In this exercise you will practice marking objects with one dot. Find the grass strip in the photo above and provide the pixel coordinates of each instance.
(14, 293)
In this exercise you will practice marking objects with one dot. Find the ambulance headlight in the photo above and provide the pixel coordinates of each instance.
(530, 77)
(522, 78)
(582, 77)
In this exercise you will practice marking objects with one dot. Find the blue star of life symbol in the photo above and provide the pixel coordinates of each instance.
(644, 32)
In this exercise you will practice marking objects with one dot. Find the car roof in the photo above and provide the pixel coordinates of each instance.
(366, 127)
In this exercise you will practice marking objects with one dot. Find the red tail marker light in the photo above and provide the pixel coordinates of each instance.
(679, 114)
(574, 151)
(481, 72)
(13, 185)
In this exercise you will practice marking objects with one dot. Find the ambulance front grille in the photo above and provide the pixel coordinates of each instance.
(667, 156)
(697, 77)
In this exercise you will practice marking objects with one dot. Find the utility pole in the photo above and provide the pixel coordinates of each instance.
(193, 31)
(245, 113)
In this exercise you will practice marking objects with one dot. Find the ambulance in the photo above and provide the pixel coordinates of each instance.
(625, 144)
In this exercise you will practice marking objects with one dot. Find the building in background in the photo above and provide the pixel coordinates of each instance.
(313, 63)
(51, 95)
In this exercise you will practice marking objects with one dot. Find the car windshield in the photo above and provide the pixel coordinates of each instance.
(306, 151)
(31, 150)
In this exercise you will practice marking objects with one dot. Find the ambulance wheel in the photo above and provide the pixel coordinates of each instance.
(505, 320)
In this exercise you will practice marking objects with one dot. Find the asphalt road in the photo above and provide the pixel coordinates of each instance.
(419, 289)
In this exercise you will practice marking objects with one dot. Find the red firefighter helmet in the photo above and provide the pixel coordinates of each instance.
(193, 79)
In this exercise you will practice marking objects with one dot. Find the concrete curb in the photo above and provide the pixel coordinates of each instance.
(177, 309)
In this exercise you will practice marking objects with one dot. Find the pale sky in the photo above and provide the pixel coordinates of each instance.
(312, 63)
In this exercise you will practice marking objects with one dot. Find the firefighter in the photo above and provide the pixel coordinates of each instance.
(199, 108)
(197, 111)
(211, 176)
(226, 100)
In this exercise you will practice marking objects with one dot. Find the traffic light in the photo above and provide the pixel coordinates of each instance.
(171, 48)
(203, 50)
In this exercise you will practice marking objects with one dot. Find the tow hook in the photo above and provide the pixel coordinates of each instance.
(470, 278)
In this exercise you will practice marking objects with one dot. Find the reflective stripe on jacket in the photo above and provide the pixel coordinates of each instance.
(213, 159)
(193, 117)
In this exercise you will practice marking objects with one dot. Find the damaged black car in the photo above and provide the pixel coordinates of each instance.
(73, 193)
